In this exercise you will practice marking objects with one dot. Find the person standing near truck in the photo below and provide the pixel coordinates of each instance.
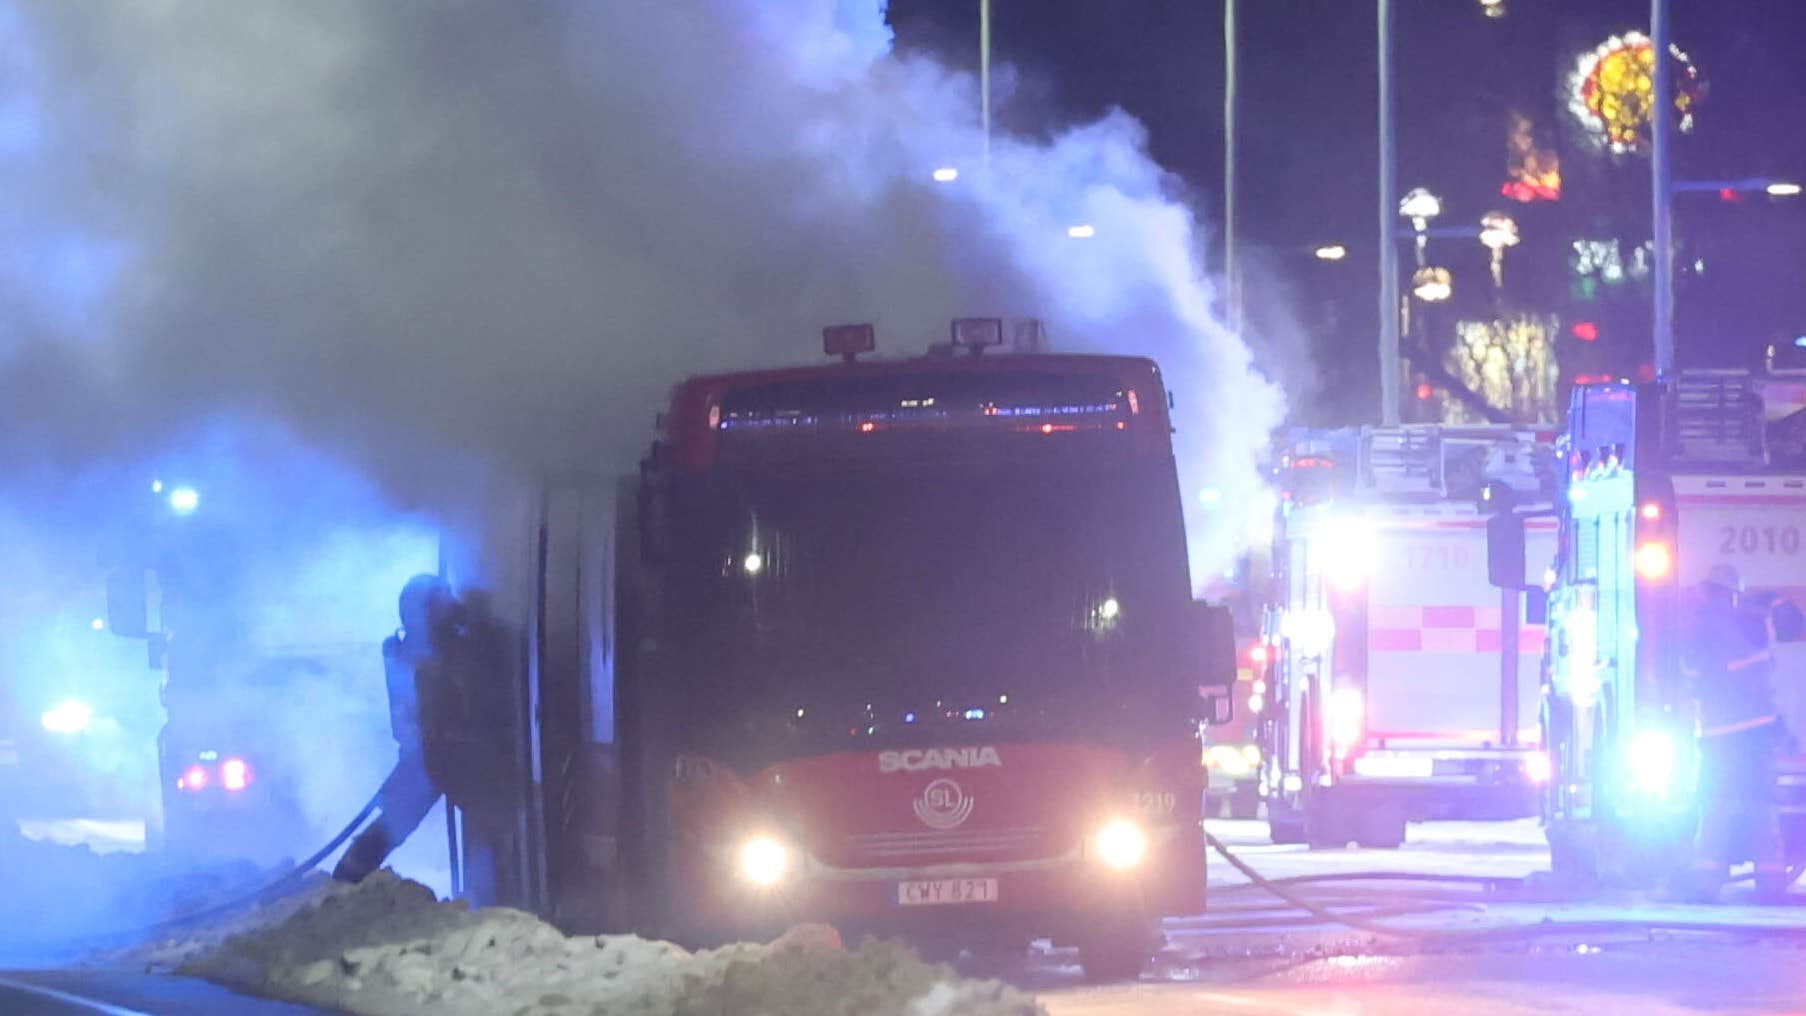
(412, 666)
(1730, 666)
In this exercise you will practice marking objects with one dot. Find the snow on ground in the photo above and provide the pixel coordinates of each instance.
(389, 947)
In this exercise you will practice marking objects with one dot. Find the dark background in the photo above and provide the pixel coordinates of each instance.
(1308, 154)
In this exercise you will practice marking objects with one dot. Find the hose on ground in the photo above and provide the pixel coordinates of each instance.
(278, 886)
(1537, 929)
(269, 891)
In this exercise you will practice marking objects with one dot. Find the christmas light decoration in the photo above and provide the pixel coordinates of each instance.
(1510, 362)
(1498, 231)
(1533, 173)
(1612, 91)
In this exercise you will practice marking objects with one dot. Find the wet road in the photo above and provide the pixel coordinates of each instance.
(1251, 953)
(125, 993)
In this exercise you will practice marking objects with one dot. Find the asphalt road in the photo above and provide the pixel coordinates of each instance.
(1252, 953)
(127, 993)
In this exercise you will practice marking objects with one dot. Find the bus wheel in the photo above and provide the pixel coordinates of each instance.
(1117, 952)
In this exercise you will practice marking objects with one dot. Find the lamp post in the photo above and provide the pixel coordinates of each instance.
(1232, 269)
(984, 76)
(1389, 303)
(1661, 195)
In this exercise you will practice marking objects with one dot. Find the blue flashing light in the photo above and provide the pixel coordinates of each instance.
(70, 717)
(1653, 763)
(184, 500)
(1799, 342)
(975, 714)
(909, 717)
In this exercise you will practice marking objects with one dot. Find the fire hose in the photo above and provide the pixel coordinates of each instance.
(272, 890)
(1538, 929)
(279, 886)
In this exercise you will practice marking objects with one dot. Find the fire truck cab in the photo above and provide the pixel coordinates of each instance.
(1663, 481)
(1402, 685)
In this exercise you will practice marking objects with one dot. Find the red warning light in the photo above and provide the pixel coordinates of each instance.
(1424, 391)
(1586, 331)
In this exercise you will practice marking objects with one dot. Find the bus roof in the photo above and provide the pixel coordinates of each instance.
(1048, 393)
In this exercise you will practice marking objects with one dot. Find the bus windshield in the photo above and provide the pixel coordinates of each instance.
(867, 603)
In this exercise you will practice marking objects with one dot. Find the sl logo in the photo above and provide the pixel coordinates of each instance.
(943, 805)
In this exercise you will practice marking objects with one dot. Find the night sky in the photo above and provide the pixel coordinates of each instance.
(1308, 153)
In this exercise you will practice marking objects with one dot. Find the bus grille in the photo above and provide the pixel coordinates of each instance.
(976, 843)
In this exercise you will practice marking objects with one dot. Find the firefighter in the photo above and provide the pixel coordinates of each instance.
(1730, 665)
(412, 666)
(474, 749)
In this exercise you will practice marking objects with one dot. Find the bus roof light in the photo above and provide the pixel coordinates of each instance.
(976, 334)
(848, 341)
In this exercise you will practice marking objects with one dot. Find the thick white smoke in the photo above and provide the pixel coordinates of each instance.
(438, 242)
(426, 233)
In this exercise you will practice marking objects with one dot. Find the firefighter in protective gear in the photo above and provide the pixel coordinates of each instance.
(411, 662)
(1730, 666)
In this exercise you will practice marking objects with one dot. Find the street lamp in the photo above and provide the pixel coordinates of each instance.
(946, 174)
(184, 500)
(1498, 231)
(1420, 206)
(1432, 284)
(1083, 231)
(1783, 189)
(1331, 252)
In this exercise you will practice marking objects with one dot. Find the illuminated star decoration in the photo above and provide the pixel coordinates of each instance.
(1612, 91)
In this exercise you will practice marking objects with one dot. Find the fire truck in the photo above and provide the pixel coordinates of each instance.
(1663, 481)
(1400, 685)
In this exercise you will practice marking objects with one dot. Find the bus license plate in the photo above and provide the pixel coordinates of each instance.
(932, 892)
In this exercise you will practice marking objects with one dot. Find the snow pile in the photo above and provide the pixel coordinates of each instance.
(389, 947)
(177, 944)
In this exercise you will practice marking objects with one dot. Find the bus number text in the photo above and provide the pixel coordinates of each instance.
(1437, 557)
(1759, 540)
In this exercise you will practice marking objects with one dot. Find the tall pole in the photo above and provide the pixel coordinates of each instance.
(984, 74)
(1389, 407)
(1661, 188)
(1232, 268)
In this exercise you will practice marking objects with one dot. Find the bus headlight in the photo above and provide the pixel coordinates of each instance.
(764, 861)
(1120, 844)
(1229, 760)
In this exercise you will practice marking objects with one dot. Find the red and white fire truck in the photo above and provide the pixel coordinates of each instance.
(1663, 482)
(1401, 685)
(910, 645)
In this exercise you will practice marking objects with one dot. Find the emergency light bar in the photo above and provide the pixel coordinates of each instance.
(977, 333)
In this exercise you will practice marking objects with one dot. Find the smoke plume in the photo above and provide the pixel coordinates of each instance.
(435, 245)
(425, 233)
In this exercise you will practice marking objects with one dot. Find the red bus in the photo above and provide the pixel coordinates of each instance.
(912, 649)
